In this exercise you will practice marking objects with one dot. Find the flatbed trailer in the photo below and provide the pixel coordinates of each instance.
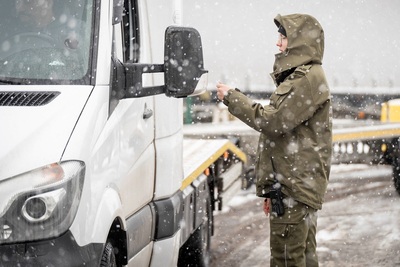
(218, 158)
(374, 143)
(354, 141)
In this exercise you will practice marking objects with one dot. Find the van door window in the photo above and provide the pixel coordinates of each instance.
(131, 32)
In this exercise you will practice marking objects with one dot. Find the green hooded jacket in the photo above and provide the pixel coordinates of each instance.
(296, 127)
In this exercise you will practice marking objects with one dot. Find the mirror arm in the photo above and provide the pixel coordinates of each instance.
(134, 85)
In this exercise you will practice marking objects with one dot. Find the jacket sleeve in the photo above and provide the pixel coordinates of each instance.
(292, 103)
(248, 111)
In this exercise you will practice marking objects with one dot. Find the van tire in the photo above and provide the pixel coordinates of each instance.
(108, 258)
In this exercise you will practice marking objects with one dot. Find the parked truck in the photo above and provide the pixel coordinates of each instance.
(95, 170)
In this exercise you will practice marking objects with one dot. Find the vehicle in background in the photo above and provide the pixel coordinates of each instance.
(363, 141)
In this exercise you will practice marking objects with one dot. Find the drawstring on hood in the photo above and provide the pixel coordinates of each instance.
(305, 42)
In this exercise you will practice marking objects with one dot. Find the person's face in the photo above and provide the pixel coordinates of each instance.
(32, 11)
(282, 42)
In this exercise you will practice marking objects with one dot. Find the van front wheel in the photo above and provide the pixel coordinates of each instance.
(108, 259)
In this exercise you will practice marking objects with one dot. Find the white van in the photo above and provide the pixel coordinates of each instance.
(94, 167)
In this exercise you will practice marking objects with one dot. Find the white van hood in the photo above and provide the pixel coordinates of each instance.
(34, 136)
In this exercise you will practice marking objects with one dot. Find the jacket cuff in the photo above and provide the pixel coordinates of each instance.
(265, 195)
(263, 191)
(229, 93)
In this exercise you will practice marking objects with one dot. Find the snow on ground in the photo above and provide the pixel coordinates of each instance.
(357, 226)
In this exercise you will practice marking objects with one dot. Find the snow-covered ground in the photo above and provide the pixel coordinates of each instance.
(358, 225)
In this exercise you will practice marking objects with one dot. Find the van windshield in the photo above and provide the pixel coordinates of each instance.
(45, 40)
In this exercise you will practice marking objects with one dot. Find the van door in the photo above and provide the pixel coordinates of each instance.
(136, 115)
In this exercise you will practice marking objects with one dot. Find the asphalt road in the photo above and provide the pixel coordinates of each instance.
(358, 225)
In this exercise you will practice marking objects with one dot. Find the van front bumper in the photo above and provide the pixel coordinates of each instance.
(60, 251)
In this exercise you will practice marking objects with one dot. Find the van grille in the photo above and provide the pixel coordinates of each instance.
(26, 99)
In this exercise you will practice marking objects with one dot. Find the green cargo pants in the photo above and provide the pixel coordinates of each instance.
(292, 237)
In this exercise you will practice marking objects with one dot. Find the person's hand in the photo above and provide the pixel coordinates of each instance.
(222, 90)
(267, 206)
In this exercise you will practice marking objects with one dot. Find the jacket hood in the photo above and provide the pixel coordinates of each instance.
(305, 42)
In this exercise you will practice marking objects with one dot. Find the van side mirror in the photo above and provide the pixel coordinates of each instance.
(183, 62)
(184, 74)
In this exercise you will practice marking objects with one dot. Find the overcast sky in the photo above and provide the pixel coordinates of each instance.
(362, 39)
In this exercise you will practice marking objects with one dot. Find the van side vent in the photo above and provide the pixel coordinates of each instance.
(27, 99)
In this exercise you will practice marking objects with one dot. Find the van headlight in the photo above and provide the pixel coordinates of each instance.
(41, 203)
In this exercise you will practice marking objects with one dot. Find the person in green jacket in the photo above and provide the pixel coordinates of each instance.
(295, 145)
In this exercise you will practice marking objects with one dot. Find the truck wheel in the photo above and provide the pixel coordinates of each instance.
(108, 259)
(196, 251)
(396, 177)
(249, 178)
